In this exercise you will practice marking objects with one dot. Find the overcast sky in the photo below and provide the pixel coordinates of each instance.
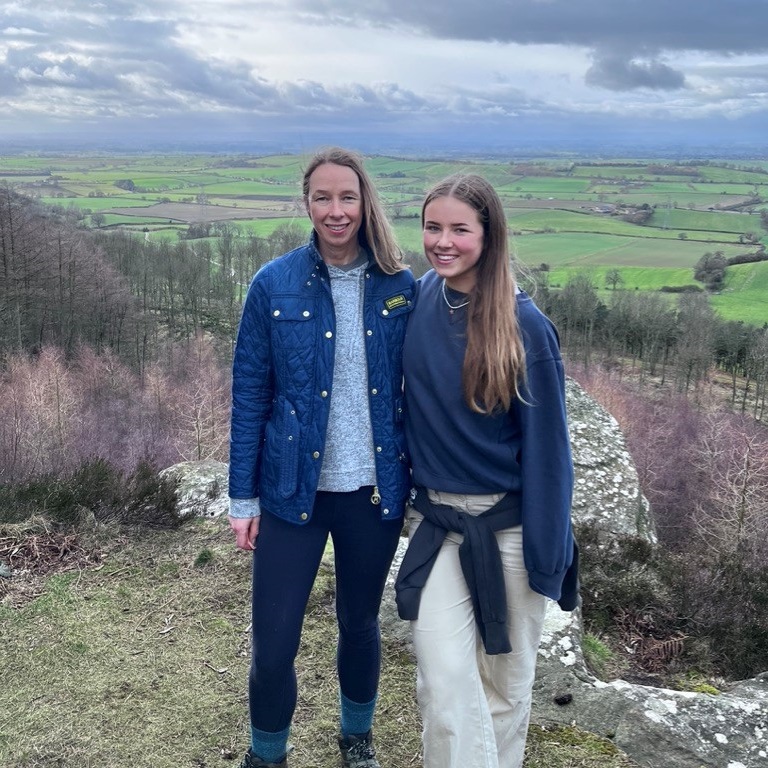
(387, 74)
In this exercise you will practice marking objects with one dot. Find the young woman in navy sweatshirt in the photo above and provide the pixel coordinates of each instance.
(489, 521)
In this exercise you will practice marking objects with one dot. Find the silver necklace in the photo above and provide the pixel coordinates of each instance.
(451, 307)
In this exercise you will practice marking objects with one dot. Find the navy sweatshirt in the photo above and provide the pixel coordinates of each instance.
(524, 451)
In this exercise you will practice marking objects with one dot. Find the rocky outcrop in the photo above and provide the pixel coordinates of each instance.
(202, 487)
(656, 727)
(606, 490)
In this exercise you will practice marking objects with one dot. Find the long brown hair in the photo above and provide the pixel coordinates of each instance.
(376, 232)
(494, 361)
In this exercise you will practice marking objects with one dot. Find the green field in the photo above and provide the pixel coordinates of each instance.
(745, 296)
(265, 227)
(706, 221)
(245, 188)
(569, 214)
(635, 278)
(588, 249)
(95, 203)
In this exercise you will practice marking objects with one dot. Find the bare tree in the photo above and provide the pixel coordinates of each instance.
(575, 311)
(613, 278)
(202, 405)
(44, 409)
(732, 455)
(695, 344)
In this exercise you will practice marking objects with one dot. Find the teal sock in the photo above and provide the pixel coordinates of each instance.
(356, 718)
(270, 747)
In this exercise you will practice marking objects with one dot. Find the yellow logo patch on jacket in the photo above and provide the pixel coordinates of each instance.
(393, 302)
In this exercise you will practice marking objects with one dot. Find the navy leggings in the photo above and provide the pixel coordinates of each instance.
(285, 565)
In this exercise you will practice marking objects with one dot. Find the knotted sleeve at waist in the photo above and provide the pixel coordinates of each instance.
(479, 557)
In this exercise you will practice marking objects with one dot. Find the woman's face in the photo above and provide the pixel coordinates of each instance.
(335, 207)
(453, 241)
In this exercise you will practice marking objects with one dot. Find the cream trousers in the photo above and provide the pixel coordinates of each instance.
(475, 708)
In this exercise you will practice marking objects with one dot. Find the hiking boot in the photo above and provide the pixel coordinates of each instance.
(251, 761)
(358, 751)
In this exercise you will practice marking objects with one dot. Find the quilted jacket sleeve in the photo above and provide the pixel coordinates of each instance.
(252, 396)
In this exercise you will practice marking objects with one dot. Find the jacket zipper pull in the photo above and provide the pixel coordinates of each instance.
(375, 498)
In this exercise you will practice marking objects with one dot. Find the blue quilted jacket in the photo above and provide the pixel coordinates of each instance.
(282, 382)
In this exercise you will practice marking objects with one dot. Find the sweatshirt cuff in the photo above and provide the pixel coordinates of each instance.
(244, 508)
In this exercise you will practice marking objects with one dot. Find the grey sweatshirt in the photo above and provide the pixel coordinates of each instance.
(349, 461)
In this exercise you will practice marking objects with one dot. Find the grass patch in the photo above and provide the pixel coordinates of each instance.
(139, 662)
(143, 661)
(599, 657)
(568, 747)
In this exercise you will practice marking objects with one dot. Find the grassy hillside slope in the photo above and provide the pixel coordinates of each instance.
(134, 650)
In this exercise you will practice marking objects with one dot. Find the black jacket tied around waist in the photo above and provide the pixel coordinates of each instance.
(480, 563)
(479, 557)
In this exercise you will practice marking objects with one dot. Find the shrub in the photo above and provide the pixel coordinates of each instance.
(748, 258)
(95, 492)
(620, 576)
(681, 289)
(701, 596)
(727, 604)
(151, 499)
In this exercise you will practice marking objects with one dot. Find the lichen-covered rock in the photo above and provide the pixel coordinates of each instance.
(203, 487)
(655, 726)
(606, 491)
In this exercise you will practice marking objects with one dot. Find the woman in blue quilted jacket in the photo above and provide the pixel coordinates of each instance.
(317, 448)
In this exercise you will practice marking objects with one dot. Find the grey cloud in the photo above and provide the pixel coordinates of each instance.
(711, 25)
(308, 96)
(28, 66)
(9, 84)
(18, 33)
(758, 72)
(629, 38)
(176, 82)
(618, 74)
(111, 30)
(119, 55)
(131, 63)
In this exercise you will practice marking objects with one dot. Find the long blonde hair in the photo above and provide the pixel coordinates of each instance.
(494, 361)
(376, 232)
